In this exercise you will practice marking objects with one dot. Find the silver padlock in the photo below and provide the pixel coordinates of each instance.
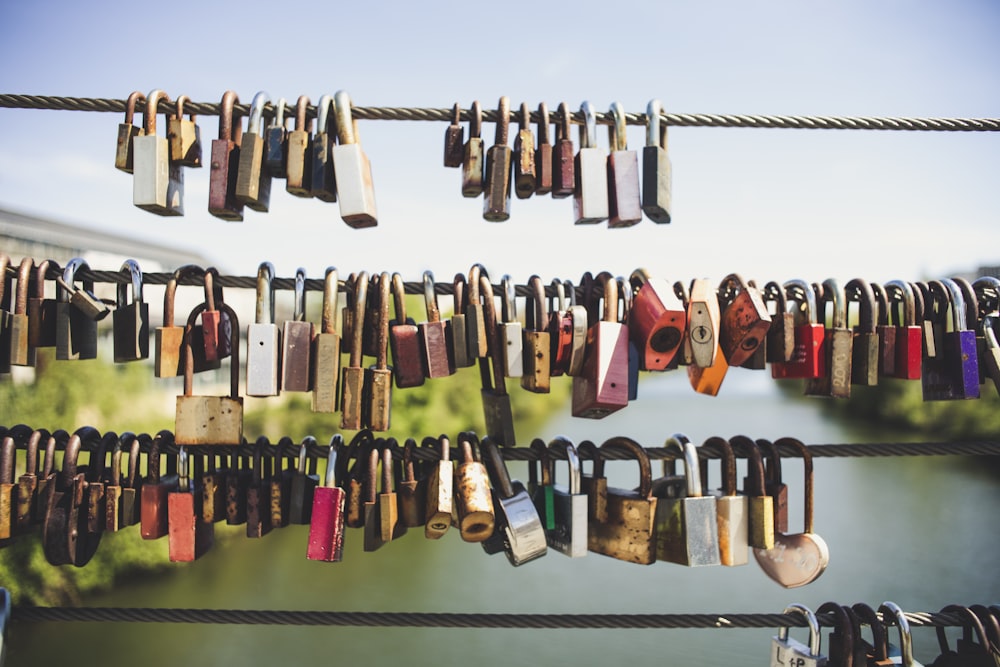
(157, 185)
(687, 527)
(787, 652)
(355, 188)
(264, 340)
(570, 504)
(511, 333)
(590, 194)
(518, 532)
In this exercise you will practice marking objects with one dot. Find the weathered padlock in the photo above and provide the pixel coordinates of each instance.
(703, 314)
(238, 478)
(323, 181)
(297, 339)
(390, 522)
(42, 311)
(497, 177)
(184, 136)
(213, 487)
(629, 530)
(19, 348)
(475, 318)
(411, 490)
(590, 173)
(454, 139)
(687, 525)
(656, 169)
(158, 185)
(954, 373)
(458, 340)
(253, 182)
(543, 153)
(258, 491)
(758, 360)
(732, 510)
(216, 328)
(188, 537)
(656, 321)
(865, 345)
(808, 358)
(473, 497)
(222, 201)
(563, 162)
(326, 349)
(525, 169)
(264, 340)
(127, 131)
(65, 538)
(8, 489)
(77, 312)
(326, 523)
(353, 374)
(885, 331)
(377, 389)
(98, 478)
(404, 341)
(353, 479)
(131, 494)
(381, 512)
(280, 484)
(540, 485)
(903, 654)
(497, 412)
(842, 638)
(27, 485)
(569, 533)
(838, 345)
(276, 142)
(774, 486)
(210, 420)
(744, 320)
(624, 202)
(47, 475)
(579, 328)
(440, 491)
(511, 331)
(131, 320)
(355, 187)
(781, 334)
(435, 335)
(602, 386)
(518, 531)
(786, 651)
(473, 155)
(537, 346)
(760, 531)
(298, 167)
(168, 339)
(875, 653)
(625, 296)
(303, 485)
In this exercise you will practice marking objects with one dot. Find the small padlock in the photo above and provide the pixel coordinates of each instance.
(472, 157)
(954, 373)
(435, 335)
(511, 331)
(458, 337)
(411, 490)
(355, 187)
(42, 311)
(629, 531)
(687, 526)
(602, 386)
(563, 162)
(253, 182)
(518, 531)
(525, 169)
(404, 341)
(656, 321)
(111, 520)
(216, 329)
(781, 334)
(440, 491)
(127, 131)
(865, 344)
(497, 412)
(536, 372)
(155, 487)
(264, 340)
(158, 185)
(353, 374)
(297, 339)
(786, 651)
(323, 181)
(222, 201)
(543, 153)
(590, 172)
(188, 537)
(497, 178)
(276, 142)
(76, 327)
(569, 533)
(377, 389)
(744, 320)
(20, 350)
(454, 139)
(473, 498)
(303, 485)
(760, 529)
(298, 168)
(184, 136)
(540, 485)
(625, 295)
(326, 349)
(808, 358)
(131, 320)
(732, 509)
(624, 201)
(656, 170)
(258, 491)
(326, 523)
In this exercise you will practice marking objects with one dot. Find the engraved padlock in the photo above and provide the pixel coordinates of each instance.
(786, 651)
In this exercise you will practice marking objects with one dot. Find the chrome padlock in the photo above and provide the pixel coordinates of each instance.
(602, 386)
(184, 136)
(496, 181)
(569, 536)
(732, 509)
(158, 185)
(323, 181)
(511, 331)
(127, 131)
(276, 142)
(76, 329)
(656, 169)
(222, 201)
(590, 171)
(326, 349)
(131, 320)
(903, 654)
(472, 158)
(656, 321)
(355, 187)
(253, 182)
(264, 340)
(298, 166)
(687, 526)
(788, 652)
(297, 338)
(20, 349)
(518, 531)
(624, 205)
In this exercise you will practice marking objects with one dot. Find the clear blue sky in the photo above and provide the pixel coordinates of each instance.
(772, 204)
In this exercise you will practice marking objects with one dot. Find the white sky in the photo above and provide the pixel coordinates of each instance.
(771, 204)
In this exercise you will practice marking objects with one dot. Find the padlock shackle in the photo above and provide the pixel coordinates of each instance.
(869, 617)
(842, 624)
(40, 276)
(523, 117)
(832, 293)
(131, 267)
(508, 301)
(645, 469)
(408, 471)
(31, 455)
(987, 304)
(398, 299)
(68, 276)
(302, 121)
(228, 130)
(617, 130)
(806, 613)
(475, 120)
(807, 464)
(563, 126)
(323, 108)
(562, 444)
(890, 611)
(970, 299)
(544, 137)
(430, 298)
(860, 290)
(181, 101)
(133, 97)
(126, 437)
(881, 305)
(49, 462)
(639, 277)
(370, 485)
(382, 332)
(331, 285)
(265, 294)
(456, 114)
(588, 131)
(347, 129)
(773, 292)
(149, 115)
(654, 135)
(99, 456)
(899, 291)
(7, 456)
(502, 135)
(800, 292)
(303, 455)
(772, 457)
(534, 307)
(332, 462)
(257, 465)
(260, 100)
(972, 624)
(234, 376)
(299, 310)
(171, 289)
(543, 463)
(728, 464)
(560, 295)
(692, 469)
(23, 282)
(458, 292)
(359, 290)
(497, 469)
(730, 286)
(278, 119)
(499, 384)
(4, 281)
(755, 464)
(606, 282)
(386, 454)
(183, 470)
(72, 452)
(625, 296)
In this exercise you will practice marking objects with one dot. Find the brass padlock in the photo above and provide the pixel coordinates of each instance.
(774, 486)
(440, 491)
(390, 524)
(127, 131)
(222, 201)
(629, 531)
(760, 531)
(563, 164)
(184, 137)
(353, 374)
(19, 348)
(454, 139)
(8, 489)
(326, 349)
(537, 341)
(624, 205)
(472, 158)
(590, 170)
(475, 319)
(525, 169)
(131, 320)
(355, 187)
(323, 182)
(158, 185)
(656, 170)
(412, 490)
(253, 182)
(297, 339)
(473, 497)
(264, 340)
(496, 182)
(497, 412)
(298, 171)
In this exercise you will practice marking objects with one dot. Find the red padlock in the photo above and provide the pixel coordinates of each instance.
(808, 360)
(602, 387)
(656, 321)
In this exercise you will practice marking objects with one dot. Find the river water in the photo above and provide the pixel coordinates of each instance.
(919, 531)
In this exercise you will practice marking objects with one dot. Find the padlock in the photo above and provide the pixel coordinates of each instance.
(434, 335)
(264, 340)
(390, 524)
(65, 538)
(253, 182)
(76, 326)
(210, 420)
(629, 530)
(404, 341)
(865, 343)
(377, 389)
(20, 350)
(475, 318)
(703, 315)
(773, 484)
(323, 181)
(787, 652)
(497, 412)
(624, 202)
(989, 356)
(353, 480)
(188, 537)
(758, 360)
(625, 297)
(353, 374)
(258, 492)
(497, 177)
(27, 485)
(440, 491)
(744, 320)
(303, 485)
(525, 169)
(297, 339)
(238, 478)
(276, 142)
(760, 529)
(780, 345)
(560, 328)
(932, 323)
(355, 187)
(978, 644)
(875, 654)
(732, 510)
(886, 333)
(184, 137)
(903, 655)
(796, 559)
(808, 358)
(127, 131)
(222, 201)
(213, 488)
(472, 155)
(8, 489)
(518, 531)
(842, 638)
(687, 526)
(98, 476)
(326, 349)
(536, 372)
(131, 320)
(168, 357)
(602, 386)
(326, 523)
(656, 170)
(580, 322)
(590, 173)
(973, 320)
(540, 485)
(511, 331)
(454, 139)
(563, 162)
(656, 322)
(954, 372)
(131, 494)
(543, 153)
(569, 533)
(42, 311)
(473, 498)
(411, 490)
(380, 518)
(216, 328)
(298, 168)
(47, 475)
(280, 484)
(158, 185)
(458, 337)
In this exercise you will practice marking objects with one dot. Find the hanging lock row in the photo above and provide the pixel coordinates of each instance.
(605, 185)
(328, 165)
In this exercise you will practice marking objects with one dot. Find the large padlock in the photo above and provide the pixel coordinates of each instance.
(297, 339)
(624, 202)
(569, 532)
(602, 386)
(377, 389)
(253, 181)
(543, 153)
(808, 358)
(353, 374)
(326, 349)
(184, 136)
(656, 321)
(65, 538)
(131, 319)
(264, 340)
(355, 187)
(323, 181)
(436, 336)
(188, 537)
(787, 652)
(656, 170)
(42, 311)
(76, 327)
(536, 372)
(127, 131)
(563, 162)
(590, 173)
(865, 345)
(760, 528)
(298, 167)
(954, 372)
(473, 500)
(19, 346)
(687, 530)
(454, 139)
(158, 185)
(440, 491)
(222, 201)
(326, 522)
(473, 155)
(744, 320)
(732, 509)
(518, 531)
(628, 532)
(497, 412)
(780, 346)
(525, 169)
(276, 142)
(511, 331)
(404, 341)
(497, 177)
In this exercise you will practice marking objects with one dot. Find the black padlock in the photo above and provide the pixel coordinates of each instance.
(131, 320)
(76, 324)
